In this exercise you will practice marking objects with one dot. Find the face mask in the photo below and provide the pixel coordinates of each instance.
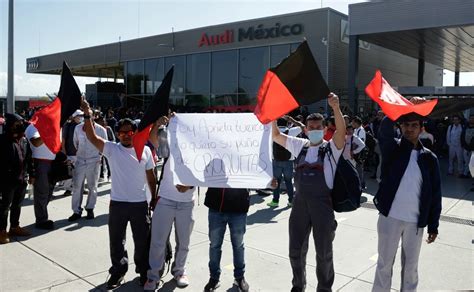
(315, 136)
(80, 120)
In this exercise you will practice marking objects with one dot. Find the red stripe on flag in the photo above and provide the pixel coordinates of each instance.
(392, 103)
(273, 99)
(47, 121)
(140, 139)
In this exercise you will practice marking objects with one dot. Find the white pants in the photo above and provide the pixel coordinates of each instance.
(85, 169)
(67, 184)
(166, 213)
(456, 152)
(389, 232)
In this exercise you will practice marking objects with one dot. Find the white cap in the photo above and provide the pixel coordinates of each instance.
(77, 113)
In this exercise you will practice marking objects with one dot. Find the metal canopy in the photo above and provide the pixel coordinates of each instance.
(438, 31)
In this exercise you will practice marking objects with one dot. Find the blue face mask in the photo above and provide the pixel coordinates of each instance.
(315, 136)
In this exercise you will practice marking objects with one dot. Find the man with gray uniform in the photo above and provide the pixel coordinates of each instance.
(87, 166)
(312, 207)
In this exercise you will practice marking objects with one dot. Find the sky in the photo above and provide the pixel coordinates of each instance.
(51, 26)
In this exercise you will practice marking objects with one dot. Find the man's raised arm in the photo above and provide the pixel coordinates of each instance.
(277, 136)
(339, 137)
(97, 141)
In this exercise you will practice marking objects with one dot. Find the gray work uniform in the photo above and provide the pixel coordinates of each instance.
(312, 208)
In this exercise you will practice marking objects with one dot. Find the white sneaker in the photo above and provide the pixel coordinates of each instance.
(181, 281)
(150, 285)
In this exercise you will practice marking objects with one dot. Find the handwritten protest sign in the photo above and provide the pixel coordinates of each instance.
(220, 150)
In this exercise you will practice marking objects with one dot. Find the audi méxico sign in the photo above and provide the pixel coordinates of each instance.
(251, 33)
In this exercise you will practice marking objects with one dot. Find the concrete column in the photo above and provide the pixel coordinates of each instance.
(10, 88)
(421, 71)
(456, 78)
(353, 72)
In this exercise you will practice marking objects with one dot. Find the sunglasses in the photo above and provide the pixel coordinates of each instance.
(128, 133)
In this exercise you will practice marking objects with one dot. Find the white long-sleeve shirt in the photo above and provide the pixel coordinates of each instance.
(453, 136)
(85, 149)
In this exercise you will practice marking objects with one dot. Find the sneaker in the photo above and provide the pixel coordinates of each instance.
(90, 214)
(273, 204)
(46, 225)
(18, 231)
(181, 281)
(74, 217)
(150, 285)
(4, 238)
(289, 205)
(67, 193)
(114, 281)
(212, 285)
(242, 284)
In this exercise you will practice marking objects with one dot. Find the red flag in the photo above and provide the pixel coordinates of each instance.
(50, 119)
(46, 121)
(296, 81)
(157, 108)
(392, 103)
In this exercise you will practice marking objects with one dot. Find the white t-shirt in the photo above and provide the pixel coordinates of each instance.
(295, 145)
(406, 204)
(357, 145)
(360, 132)
(85, 149)
(129, 183)
(168, 187)
(41, 152)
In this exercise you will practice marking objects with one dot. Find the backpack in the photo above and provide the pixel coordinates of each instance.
(362, 156)
(370, 140)
(347, 188)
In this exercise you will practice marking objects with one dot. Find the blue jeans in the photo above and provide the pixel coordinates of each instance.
(217, 225)
(284, 168)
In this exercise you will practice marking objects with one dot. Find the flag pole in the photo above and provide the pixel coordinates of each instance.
(10, 95)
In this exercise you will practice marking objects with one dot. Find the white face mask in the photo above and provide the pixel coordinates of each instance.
(79, 119)
(315, 136)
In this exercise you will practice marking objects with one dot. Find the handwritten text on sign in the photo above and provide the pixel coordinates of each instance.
(220, 150)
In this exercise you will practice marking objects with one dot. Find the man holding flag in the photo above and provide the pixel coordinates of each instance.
(44, 136)
(409, 195)
(312, 210)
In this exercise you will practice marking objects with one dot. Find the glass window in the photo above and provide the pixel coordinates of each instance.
(294, 47)
(154, 74)
(278, 53)
(135, 84)
(177, 86)
(224, 72)
(224, 100)
(197, 74)
(253, 63)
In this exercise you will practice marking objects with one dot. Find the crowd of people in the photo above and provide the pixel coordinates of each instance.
(401, 155)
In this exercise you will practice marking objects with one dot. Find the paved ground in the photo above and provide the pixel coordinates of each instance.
(75, 256)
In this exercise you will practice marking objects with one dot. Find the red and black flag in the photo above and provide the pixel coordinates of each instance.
(52, 117)
(392, 103)
(296, 81)
(158, 107)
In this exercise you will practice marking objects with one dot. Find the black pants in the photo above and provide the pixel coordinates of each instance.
(120, 213)
(12, 197)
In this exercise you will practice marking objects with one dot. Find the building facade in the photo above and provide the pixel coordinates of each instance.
(222, 66)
